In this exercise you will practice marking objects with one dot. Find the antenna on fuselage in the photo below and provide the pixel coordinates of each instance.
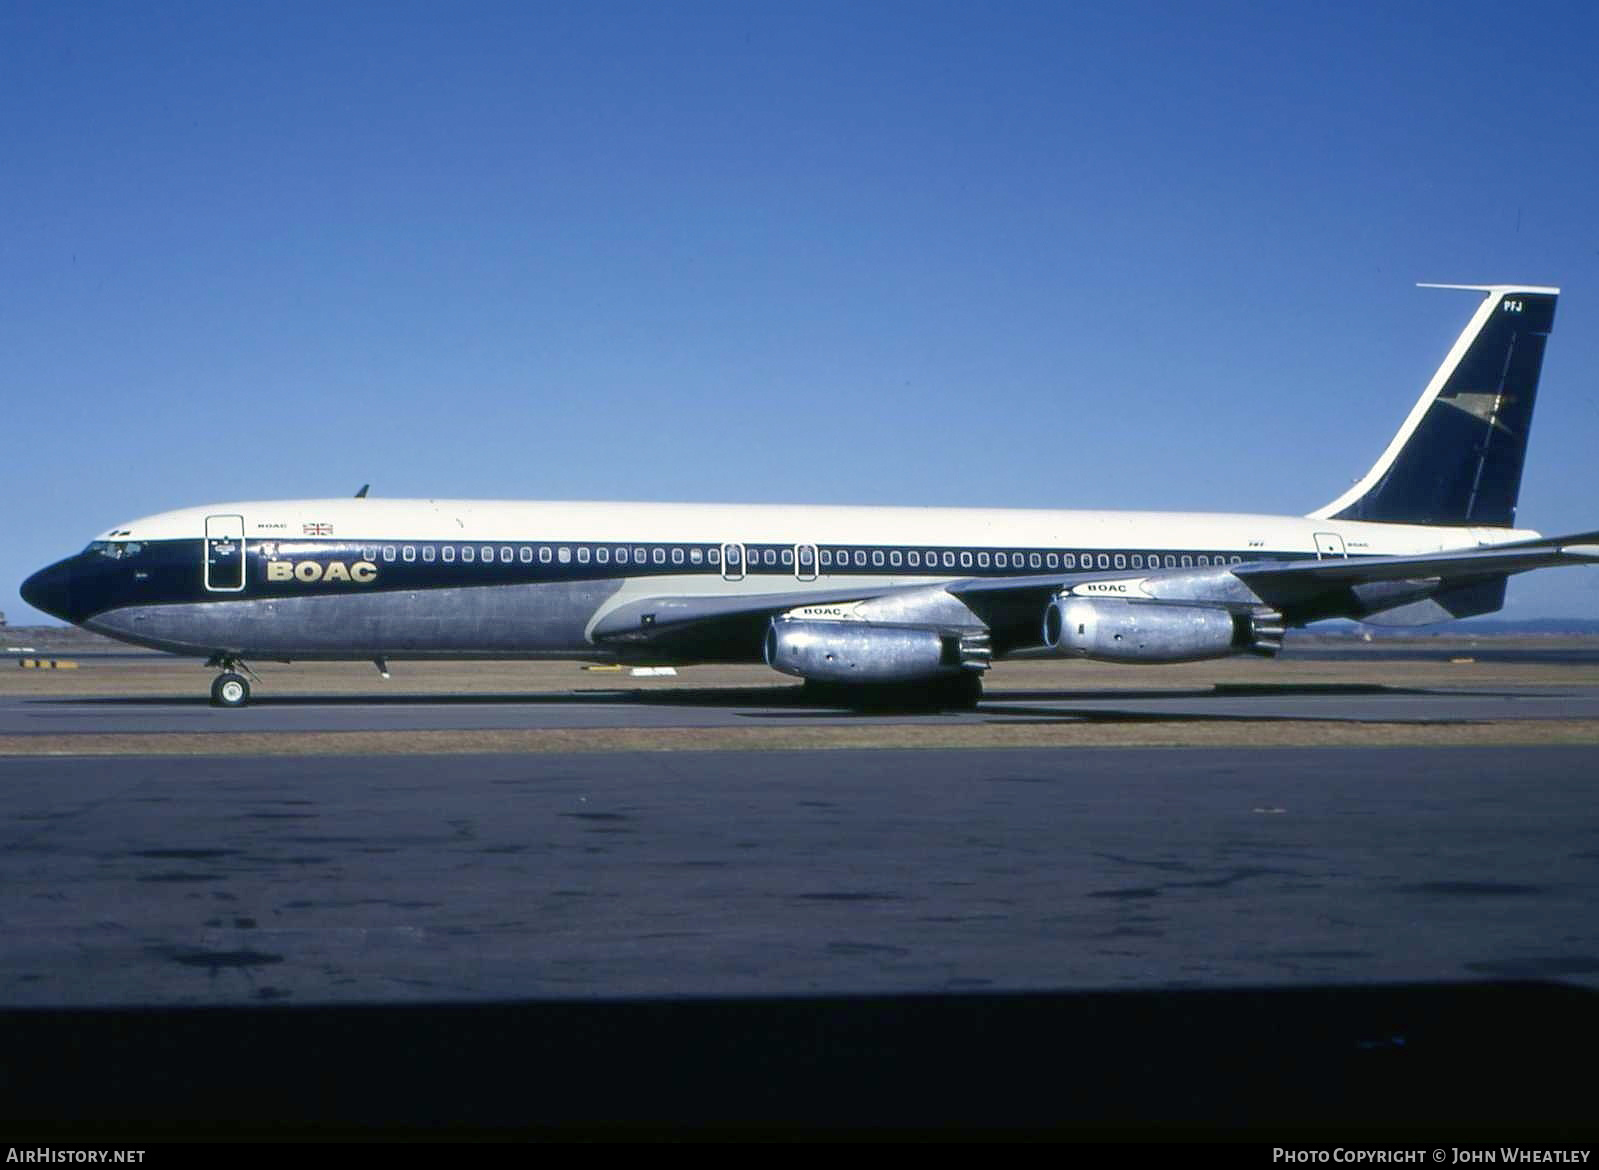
(361, 495)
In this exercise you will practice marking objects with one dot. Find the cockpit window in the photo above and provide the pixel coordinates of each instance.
(115, 549)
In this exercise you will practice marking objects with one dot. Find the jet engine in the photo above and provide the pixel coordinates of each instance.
(860, 652)
(1111, 630)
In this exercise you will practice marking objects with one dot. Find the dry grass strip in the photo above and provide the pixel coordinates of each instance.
(999, 733)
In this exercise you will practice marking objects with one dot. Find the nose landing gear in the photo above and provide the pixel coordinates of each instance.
(231, 688)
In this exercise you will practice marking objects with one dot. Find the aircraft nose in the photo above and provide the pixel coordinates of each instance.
(50, 590)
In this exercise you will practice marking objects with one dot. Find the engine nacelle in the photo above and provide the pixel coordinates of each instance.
(1109, 630)
(858, 652)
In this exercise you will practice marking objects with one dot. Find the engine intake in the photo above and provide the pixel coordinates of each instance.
(1110, 630)
(859, 652)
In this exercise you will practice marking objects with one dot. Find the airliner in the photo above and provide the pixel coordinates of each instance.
(856, 599)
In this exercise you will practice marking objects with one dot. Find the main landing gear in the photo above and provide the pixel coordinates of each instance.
(961, 692)
(231, 688)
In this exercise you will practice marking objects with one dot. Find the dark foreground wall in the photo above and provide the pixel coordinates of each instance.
(1497, 1054)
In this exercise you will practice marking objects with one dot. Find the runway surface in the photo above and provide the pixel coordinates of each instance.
(216, 880)
(785, 706)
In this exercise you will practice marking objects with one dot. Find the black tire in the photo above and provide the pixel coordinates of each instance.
(961, 693)
(821, 694)
(230, 690)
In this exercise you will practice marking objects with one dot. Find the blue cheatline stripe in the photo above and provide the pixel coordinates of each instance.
(169, 572)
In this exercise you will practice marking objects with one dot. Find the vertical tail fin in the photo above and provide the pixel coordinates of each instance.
(1457, 459)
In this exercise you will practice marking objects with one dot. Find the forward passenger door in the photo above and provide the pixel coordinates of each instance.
(224, 554)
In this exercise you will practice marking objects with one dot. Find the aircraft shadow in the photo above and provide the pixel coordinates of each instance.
(1023, 715)
(786, 696)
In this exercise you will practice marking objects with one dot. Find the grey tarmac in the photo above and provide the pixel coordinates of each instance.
(215, 879)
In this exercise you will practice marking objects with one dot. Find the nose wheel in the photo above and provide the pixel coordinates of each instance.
(230, 690)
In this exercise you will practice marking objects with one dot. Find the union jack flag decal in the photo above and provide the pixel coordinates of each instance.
(317, 529)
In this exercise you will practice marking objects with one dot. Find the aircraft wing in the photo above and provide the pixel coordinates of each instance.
(713, 627)
(1302, 586)
(1581, 548)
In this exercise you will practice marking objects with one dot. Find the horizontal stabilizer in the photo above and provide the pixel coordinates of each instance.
(1285, 584)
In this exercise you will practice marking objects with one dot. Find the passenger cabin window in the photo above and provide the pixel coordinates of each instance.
(427, 553)
(564, 555)
(582, 554)
(408, 553)
(448, 553)
(526, 554)
(468, 553)
(388, 552)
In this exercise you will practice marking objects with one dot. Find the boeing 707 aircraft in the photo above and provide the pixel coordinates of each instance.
(915, 598)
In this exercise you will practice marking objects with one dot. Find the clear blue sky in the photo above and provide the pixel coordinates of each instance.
(1052, 255)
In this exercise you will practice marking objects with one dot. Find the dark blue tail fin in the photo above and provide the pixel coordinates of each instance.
(1458, 458)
